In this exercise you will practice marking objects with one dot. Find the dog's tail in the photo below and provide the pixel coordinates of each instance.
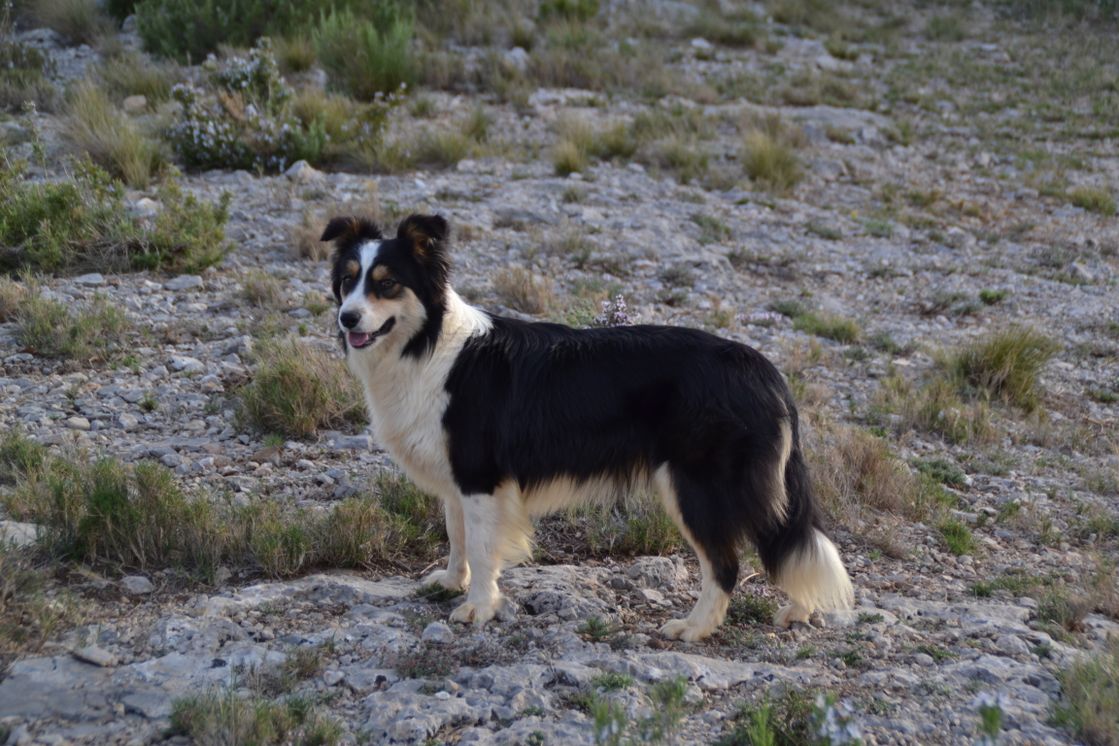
(796, 553)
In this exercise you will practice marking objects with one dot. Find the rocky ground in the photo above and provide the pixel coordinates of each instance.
(898, 232)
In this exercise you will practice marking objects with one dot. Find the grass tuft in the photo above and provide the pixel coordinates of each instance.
(1093, 199)
(95, 126)
(367, 58)
(227, 717)
(297, 389)
(49, 328)
(521, 290)
(1005, 365)
(769, 156)
(1090, 697)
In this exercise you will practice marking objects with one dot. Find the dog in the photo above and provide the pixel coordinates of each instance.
(506, 419)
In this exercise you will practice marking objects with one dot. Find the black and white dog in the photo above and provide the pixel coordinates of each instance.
(505, 419)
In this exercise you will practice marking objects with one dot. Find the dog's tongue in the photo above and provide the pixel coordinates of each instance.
(358, 339)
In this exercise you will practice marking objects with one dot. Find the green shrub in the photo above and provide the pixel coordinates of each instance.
(83, 223)
(957, 537)
(367, 58)
(247, 117)
(1093, 199)
(1004, 365)
(827, 326)
(225, 717)
(78, 21)
(569, 10)
(52, 329)
(296, 390)
(188, 30)
(24, 70)
(94, 126)
(1090, 696)
(120, 9)
(770, 162)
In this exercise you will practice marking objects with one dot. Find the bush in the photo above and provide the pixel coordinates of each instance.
(226, 717)
(367, 58)
(83, 222)
(1005, 365)
(247, 117)
(1090, 697)
(188, 30)
(52, 329)
(297, 390)
(78, 21)
(23, 71)
(770, 162)
(94, 126)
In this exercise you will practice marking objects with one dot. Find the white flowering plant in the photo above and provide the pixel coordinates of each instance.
(246, 116)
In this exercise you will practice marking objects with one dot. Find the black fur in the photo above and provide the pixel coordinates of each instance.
(534, 402)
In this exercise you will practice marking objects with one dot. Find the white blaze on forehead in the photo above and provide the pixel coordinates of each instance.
(355, 299)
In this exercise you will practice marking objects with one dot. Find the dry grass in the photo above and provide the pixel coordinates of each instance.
(129, 74)
(521, 290)
(770, 161)
(80, 21)
(1090, 697)
(13, 295)
(263, 290)
(87, 333)
(305, 236)
(94, 126)
(1093, 199)
(936, 406)
(1004, 365)
(298, 389)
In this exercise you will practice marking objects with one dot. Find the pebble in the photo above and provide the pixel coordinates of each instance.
(95, 655)
(136, 585)
(438, 632)
(183, 282)
(77, 423)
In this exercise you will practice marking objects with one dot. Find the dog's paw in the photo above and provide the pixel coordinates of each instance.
(477, 613)
(682, 629)
(447, 580)
(794, 612)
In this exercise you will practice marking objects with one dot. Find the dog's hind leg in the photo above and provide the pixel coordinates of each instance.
(457, 574)
(718, 563)
(495, 534)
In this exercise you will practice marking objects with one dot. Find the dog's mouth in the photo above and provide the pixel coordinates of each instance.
(358, 340)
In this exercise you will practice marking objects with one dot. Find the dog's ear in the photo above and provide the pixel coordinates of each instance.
(426, 234)
(342, 229)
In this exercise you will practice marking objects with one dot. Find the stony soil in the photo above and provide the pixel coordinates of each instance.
(910, 661)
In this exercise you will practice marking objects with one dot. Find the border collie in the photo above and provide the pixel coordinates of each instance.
(505, 419)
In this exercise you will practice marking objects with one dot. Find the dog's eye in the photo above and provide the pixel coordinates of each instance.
(387, 284)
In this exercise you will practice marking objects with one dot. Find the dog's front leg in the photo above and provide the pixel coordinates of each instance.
(457, 574)
(483, 523)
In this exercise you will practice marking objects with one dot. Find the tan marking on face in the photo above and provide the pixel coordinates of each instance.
(380, 272)
(352, 269)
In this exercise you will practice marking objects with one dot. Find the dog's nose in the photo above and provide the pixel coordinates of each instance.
(349, 319)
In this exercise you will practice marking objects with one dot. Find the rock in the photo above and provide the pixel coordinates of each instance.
(701, 45)
(186, 364)
(136, 585)
(333, 677)
(18, 534)
(92, 279)
(353, 442)
(302, 172)
(127, 421)
(78, 423)
(438, 632)
(135, 104)
(183, 282)
(1081, 273)
(144, 207)
(95, 655)
(516, 59)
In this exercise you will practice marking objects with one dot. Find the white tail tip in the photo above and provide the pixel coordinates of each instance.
(814, 578)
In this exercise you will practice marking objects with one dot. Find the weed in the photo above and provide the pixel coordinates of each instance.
(769, 162)
(750, 609)
(425, 662)
(828, 326)
(1005, 365)
(130, 74)
(227, 717)
(262, 289)
(50, 328)
(79, 21)
(1089, 704)
(367, 58)
(297, 390)
(83, 222)
(711, 229)
(991, 297)
(1093, 199)
(957, 537)
(596, 629)
(521, 290)
(637, 527)
(95, 127)
(944, 472)
(612, 682)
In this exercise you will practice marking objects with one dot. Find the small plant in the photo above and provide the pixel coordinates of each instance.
(1005, 365)
(52, 329)
(991, 297)
(226, 717)
(297, 390)
(612, 682)
(834, 723)
(614, 313)
(1093, 199)
(96, 127)
(597, 629)
(990, 708)
(78, 21)
(828, 326)
(632, 529)
(957, 537)
(750, 609)
(262, 289)
(367, 58)
(82, 222)
(769, 162)
(521, 290)
(711, 229)
(1089, 704)
(944, 472)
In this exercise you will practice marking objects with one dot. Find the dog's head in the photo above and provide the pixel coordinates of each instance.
(389, 289)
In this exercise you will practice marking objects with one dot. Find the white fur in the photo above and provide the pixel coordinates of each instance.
(780, 493)
(814, 578)
(711, 608)
(357, 301)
